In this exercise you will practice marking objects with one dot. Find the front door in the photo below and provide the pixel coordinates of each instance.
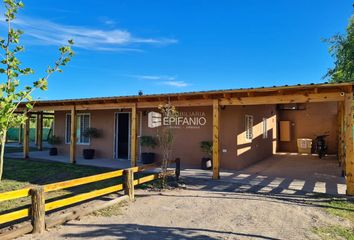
(122, 135)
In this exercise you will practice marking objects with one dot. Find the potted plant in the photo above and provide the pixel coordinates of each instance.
(148, 142)
(207, 149)
(89, 153)
(53, 140)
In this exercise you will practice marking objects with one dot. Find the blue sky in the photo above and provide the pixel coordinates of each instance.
(179, 45)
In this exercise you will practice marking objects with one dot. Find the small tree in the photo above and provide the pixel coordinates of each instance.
(12, 94)
(165, 138)
(342, 50)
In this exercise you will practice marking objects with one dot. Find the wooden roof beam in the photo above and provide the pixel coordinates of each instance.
(283, 99)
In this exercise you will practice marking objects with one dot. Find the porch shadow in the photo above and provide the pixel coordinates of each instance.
(281, 174)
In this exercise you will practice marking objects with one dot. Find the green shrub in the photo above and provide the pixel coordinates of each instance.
(148, 141)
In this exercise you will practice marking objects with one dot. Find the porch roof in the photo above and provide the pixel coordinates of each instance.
(297, 93)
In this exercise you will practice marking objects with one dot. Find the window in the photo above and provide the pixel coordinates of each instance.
(265, 132)
(83, 123)
(249, 127)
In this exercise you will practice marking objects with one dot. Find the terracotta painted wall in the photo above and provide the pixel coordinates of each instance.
(239, 153)
(317, 119)
(103, 120)
(186, 140)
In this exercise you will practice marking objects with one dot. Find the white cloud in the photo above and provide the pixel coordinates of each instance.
(109, 22)
(46, 32)
(162, 80)
(175, 83)
(154, 77)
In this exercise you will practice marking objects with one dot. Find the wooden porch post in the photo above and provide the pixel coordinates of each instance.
(216, 143)
(133, 137)
(26, 138)
(349, 155)
(73, 125)
(40, 131)
(37, 129)
(340, 130)
(20, 133)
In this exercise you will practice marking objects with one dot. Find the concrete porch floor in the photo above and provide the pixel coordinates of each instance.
(282, 174)
(97, 162)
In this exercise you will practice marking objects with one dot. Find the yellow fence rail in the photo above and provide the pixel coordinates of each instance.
(15, 194)
(12, 216)
(37, 215)
(81, 181)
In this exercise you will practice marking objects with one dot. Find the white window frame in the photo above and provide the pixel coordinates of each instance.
(265, 128)
(249, 127)
(67, 138)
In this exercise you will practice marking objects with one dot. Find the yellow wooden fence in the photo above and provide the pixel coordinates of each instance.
(26, 192)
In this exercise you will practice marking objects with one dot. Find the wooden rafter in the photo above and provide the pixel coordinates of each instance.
(276, 95)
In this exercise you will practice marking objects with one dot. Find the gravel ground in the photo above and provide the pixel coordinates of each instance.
(203, 210)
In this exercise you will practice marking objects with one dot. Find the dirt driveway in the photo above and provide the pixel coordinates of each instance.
(204, 210)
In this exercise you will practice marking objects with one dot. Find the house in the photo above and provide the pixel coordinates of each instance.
(245, 125)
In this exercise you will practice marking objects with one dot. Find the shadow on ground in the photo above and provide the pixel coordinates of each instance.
(242, 190)
(137, 231)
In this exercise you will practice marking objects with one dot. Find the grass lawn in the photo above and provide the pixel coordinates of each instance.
(343, 209)
(20, 173)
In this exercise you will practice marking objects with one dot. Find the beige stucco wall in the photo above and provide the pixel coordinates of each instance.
(317, 119)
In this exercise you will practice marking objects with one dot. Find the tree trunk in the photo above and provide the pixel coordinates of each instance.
(2, 153)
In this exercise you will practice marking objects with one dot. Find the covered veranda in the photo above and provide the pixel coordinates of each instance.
(340, 93)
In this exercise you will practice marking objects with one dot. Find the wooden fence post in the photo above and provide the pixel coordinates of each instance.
(38, 210)
(129, 183)
(178, 168)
